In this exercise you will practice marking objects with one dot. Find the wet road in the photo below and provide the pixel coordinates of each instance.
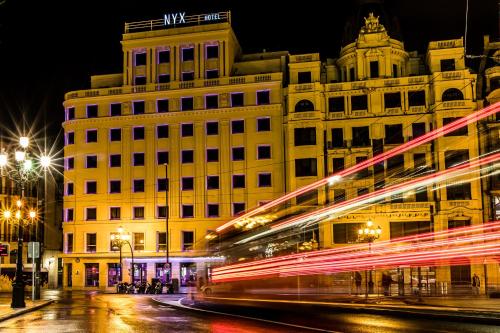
(96, 312)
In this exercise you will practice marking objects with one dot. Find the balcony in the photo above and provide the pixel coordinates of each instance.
(304, 115)
(453, 75)
(224, 81)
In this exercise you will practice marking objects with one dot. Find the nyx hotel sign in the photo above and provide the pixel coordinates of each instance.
(180, 18)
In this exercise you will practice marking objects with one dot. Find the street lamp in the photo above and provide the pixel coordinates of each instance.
(118, 240)
(369, 233)
(22, 170)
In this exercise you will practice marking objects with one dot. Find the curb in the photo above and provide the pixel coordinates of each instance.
(25, 310)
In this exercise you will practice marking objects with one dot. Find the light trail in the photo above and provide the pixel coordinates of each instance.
(439, 132)
(440, 176)
(442, 252)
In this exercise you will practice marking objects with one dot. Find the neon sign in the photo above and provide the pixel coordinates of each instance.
(181, 18)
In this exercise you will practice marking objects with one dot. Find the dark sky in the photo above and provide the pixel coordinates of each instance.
(48, 47)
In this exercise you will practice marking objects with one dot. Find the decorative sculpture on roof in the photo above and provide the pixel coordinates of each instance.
(372, 24)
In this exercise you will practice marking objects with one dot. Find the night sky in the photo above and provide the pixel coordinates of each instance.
(49, 47)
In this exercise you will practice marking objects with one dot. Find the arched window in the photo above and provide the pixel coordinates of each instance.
(304, 105)
(452, 94)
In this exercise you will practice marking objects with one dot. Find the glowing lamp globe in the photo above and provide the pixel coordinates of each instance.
(24, 141)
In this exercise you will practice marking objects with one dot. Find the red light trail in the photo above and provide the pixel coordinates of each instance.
(439, 132)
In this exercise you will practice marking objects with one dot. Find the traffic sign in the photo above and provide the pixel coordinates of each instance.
(34, 250)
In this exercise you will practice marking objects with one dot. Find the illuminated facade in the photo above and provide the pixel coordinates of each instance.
(238, 130)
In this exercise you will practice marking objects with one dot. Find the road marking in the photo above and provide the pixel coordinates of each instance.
(257, 319)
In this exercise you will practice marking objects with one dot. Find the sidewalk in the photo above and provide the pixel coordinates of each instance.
(6, 312)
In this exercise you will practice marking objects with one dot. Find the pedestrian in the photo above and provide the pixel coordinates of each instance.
(476, 283)
(357, 281)
(386, 283)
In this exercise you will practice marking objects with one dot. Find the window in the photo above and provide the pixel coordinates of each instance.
(404, 229)
(115, 160)
(161, 212)
(419, 160)
(188, 54)
(338, 164)
(91, 187)
(91, 161)
(359, 102)
(115, 134)
(365, 172)
(70, 113)
(211, 101)
(91, 242)
(163, 56)
(394, 70)
(162, 241)
(212, 155)
(211, 74)
(447, 65)
(69, 215)
(114, 213)
(187, 183)
(162, 184)
(264, 180)
(187, 104)
(70, 138)
(238, 153)
(373, 69)
(304, 105)
(70, 163)
(393, 134)
(416, 98)
(238, 181)
(70, 189)
(362, 191)
(162, 157)
(336, 104)
(212, 128)
(92, 111)
(458, 224)
(162, 105)
(462, 131)
(138, 185)
(212, 182)
(91, 214)
(351, 74)
(138, 133)
(304, 77)
(140, 58)
(138, 241)
(92, 275)
(187, 240)
(338, 138)
(237, 99)
(115, 186)
(162, 131)
(338, 195)
(115, 109)
(213, 210)
(392, 100)
(238, 208)
(452, 94)
(456, 157)
(263, 97)
(346, 233)
(187, 156)
(69, 243)
(361, 136)
(138, 212)
(458, 192)
(187, 211)
(418, 129)
(187, 76)
(305, 167)
(305, 136)
(138, 159)
(264, 124)
(212, 51)
(263, 152)
(237, 126)
(140, 80)
(139, 107)
(91, 136)
(395, 165)
(164, 78)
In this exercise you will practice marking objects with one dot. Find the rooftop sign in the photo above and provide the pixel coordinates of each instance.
(176, 19)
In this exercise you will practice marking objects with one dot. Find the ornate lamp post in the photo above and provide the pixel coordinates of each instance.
(118, 240)
(22, 170)
(369, 233)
